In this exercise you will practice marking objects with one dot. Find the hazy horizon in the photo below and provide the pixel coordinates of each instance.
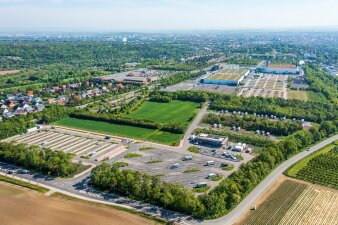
(165, 15)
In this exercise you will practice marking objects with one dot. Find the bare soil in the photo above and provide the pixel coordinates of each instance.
(7, 72)
(21, 206)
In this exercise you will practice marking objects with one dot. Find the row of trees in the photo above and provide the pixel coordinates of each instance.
(178, 128)
(233, 189)
(253, 123)
(46, 161)
(323, 82)
(20, 124)
(160, 98)
(253, 139)
(310, 111)
(192, 96)
(222, 198)
(179, 77)
(14, 126)
(146, 188)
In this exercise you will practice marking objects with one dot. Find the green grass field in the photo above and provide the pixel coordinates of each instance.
(316, 97)
(175, 111)
(122, 130)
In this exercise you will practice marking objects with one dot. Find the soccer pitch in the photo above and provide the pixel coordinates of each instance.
(175, 111)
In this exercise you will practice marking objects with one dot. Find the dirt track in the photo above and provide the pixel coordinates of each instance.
(21, 206)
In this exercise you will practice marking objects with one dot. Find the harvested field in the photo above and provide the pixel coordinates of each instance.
(8, 72)
(300, 95)
(296, 203)
(276, 206)
(25, 207)
(314, 206)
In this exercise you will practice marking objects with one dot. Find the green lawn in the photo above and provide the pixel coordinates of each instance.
(122, 130)
(294, 169)
(316, 97)
(175, 111)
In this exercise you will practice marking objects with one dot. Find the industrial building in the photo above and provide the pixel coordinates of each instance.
(141, 76)
(210, 139)
(281, 69)
(226, 77)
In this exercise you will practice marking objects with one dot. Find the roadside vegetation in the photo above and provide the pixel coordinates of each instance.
(23, 184)
(45, 161)
(132, 155)
(253, 123)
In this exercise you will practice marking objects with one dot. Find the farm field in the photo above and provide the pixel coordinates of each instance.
(300, 95)
(276, 206)
(8, 72)
(293, 170)
(122, 130)
(296, 203)
(22, 206)
(175, 111)
(318, 168)
(317, 97)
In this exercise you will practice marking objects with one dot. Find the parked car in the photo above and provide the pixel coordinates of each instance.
(23, 171)
(210, 163)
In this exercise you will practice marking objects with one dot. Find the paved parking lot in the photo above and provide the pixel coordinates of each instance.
(195, 85)
(179, 175)
(84, 146)
(266, 85)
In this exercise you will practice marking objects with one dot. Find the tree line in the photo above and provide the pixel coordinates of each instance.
(253, 139)
(19, 124)
(253, 123)
(179, 77)
(42, 160)
(145, 188)
(323, 82)
(290, 108)
(222, 198)
(178, 128)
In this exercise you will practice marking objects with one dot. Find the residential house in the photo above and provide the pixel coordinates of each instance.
(8, 114)
(39, 107)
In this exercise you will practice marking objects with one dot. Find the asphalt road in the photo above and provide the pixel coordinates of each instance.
(75, 187)
(250, 200)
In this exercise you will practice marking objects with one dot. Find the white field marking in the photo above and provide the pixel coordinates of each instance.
(35, 136)
(64, 144)
(56, 140)
(67, 137)
(35, 141)
(72, 148)
(72, 143)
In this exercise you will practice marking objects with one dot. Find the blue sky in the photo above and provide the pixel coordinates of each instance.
(151, 15)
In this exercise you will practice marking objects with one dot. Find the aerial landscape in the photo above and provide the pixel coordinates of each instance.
(168, 112)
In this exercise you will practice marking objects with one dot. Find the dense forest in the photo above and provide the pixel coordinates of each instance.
(309, 111)
(253, 123)
(323, 82)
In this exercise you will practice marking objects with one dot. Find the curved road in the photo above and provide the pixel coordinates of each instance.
(249, 201)
(69, 187)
